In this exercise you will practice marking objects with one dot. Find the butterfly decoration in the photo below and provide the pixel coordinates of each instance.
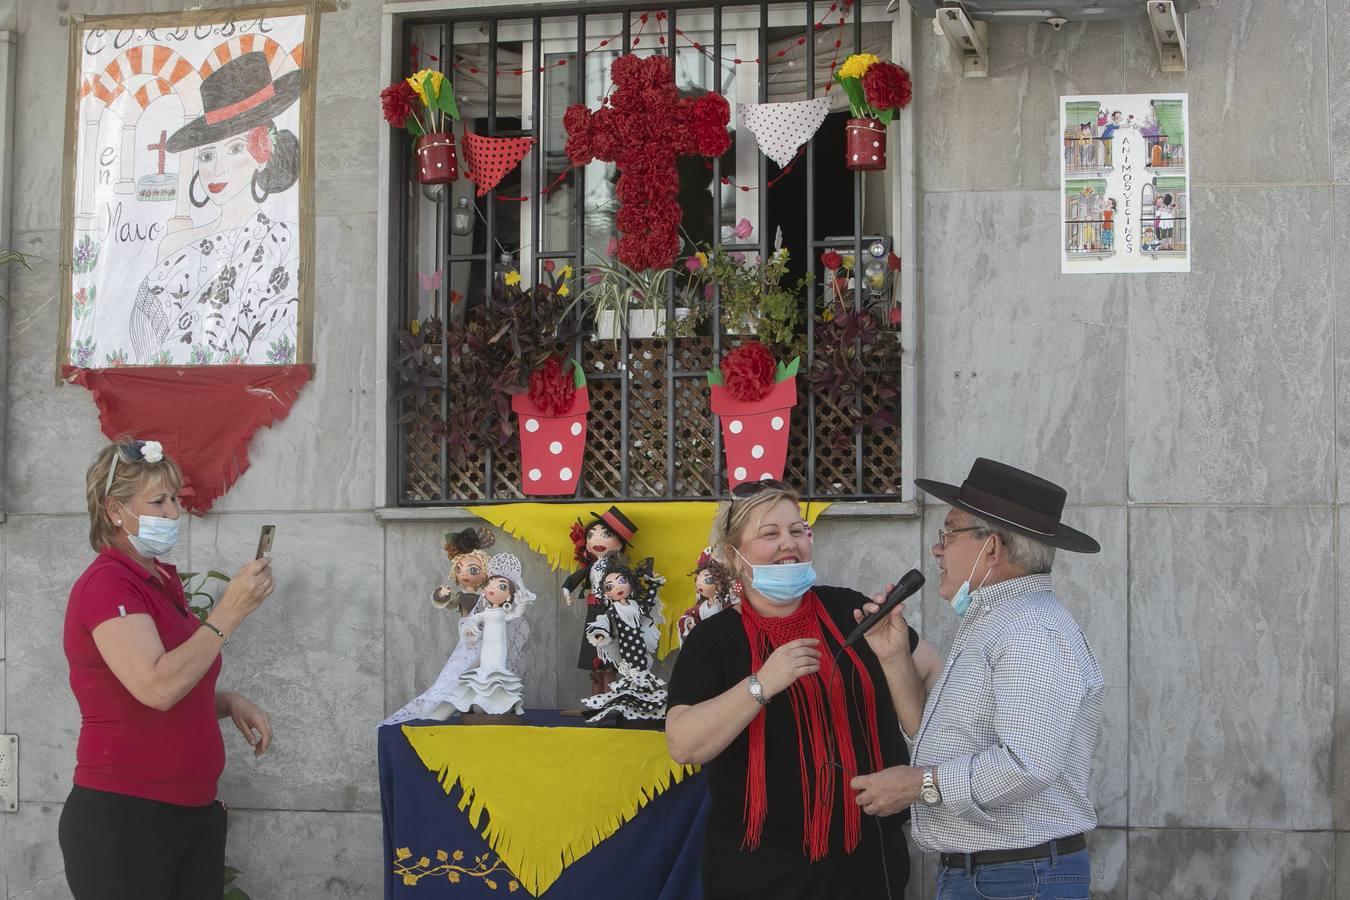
(431, 281)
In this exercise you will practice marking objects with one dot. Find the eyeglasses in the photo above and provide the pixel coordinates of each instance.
(944, 533)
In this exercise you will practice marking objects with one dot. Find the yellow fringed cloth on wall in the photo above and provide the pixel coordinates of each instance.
(672, 533)
(541, 818)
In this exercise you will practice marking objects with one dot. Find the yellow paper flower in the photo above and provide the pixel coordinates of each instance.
(512, 278)
(563, 290)
(566, 272)
(418, 82)
(856, 66)
(702, 258)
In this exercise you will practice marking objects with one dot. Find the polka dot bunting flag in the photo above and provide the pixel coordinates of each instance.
(488, 159)
(781, 128)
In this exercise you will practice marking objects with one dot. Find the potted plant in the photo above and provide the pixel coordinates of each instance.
(620, 300)
(876, 91)
(844, 338)
(424, 105)
(552, 418)
(753, 298)
(753, 396)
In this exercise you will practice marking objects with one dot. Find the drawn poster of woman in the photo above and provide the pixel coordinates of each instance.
(185, 226)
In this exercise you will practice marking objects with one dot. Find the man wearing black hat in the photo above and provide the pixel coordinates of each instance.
(1002, 749)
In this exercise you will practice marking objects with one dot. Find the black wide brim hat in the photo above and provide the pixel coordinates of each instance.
(236, 97)
(1013, 499)
(616, 522)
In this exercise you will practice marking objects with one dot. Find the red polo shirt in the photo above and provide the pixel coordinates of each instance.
(125, 746)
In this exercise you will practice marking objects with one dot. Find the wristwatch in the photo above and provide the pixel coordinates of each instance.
(757, 691)
(929, 793)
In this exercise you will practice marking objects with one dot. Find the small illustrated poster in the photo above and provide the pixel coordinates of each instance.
(1125, 170)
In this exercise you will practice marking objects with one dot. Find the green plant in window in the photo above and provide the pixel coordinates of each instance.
(752, 293)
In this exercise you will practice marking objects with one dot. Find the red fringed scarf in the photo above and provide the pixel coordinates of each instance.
(819, 721)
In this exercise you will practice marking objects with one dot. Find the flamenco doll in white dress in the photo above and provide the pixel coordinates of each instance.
(463, 594)
(715, 588)
(625, 634)
(492, 687)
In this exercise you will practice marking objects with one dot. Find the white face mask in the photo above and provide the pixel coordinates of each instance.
(157, 535)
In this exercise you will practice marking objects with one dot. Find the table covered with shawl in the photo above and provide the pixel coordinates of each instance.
(547, 808)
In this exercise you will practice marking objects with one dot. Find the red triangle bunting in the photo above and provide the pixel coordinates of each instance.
(488, 159)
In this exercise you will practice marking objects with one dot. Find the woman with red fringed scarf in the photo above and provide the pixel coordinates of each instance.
(758, 697)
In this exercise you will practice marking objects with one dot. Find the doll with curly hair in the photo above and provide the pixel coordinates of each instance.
(715, 588)
(467, 551)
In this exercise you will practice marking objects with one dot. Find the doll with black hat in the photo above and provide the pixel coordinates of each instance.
(226, 289)
(606, 535)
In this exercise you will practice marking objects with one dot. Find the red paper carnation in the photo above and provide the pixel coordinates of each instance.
(577, 120)
(887, 86)
(551, 388)
(397, 101)
(748, 372)
(711, 113)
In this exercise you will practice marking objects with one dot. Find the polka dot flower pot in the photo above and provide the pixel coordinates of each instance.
(864, 145)
(551, 447)
(436, 161)
(755, 433)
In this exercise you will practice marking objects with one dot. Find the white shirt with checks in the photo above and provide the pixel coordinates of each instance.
(1011, 725)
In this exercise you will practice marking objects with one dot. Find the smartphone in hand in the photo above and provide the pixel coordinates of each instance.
(265, 541)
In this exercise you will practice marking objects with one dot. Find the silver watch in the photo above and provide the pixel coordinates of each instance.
(757, 691)
(929, 793)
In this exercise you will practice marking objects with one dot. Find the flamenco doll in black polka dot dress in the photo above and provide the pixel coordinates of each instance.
(606, 537)
(626, 635)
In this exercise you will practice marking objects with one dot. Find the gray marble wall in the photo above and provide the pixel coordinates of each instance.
(1193, 418)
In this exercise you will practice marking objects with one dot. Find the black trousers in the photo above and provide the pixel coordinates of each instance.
(119, 848)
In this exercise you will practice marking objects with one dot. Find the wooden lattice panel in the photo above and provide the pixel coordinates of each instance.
(696, 467)
(836, 465)
(602, 472)
(422, 464)
(881, 446)
(648, 426)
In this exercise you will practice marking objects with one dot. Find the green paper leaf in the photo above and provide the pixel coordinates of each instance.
(714, 376)
(445, 101)
(885, 116)
(413, 128)
(857, 100)
(579, 377)
(790, 370)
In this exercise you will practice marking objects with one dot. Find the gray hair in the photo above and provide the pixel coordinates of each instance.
(1026, 553)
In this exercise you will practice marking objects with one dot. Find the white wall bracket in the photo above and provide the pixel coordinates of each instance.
(1169, 34)
(969, 38)
(9, 773)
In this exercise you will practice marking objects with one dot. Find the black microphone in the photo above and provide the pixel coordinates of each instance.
(908, 585)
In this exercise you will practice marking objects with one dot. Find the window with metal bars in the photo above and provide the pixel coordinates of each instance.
(652, 434)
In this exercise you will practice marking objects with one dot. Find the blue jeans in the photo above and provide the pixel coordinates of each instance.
(1064, 878)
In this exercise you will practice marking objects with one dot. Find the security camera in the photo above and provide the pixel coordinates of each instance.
(1057, 22)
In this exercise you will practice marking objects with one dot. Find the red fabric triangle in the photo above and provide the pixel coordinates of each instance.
(203, 415)
(488, 159)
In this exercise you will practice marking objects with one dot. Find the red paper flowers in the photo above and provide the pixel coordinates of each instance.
(397, 101)
(748, 372)
(551, 388)
(643, 128)
(887, 86)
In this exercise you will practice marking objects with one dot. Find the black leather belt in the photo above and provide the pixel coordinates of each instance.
(1061, 847)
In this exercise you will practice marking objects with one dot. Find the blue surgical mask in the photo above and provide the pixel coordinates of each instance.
(961, 602)
(157, 535)
(781, 583)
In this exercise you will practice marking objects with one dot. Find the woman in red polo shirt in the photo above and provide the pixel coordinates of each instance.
(142, 820)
